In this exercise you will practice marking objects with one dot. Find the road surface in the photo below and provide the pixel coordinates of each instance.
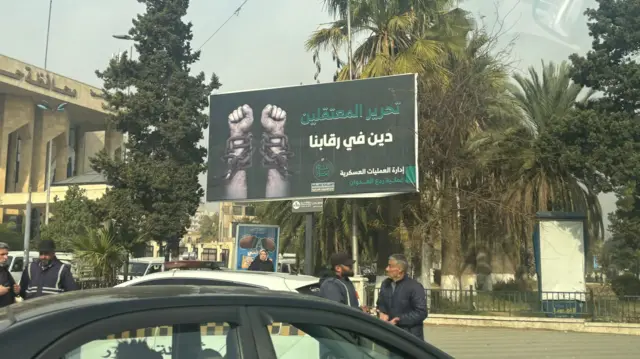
(496, 343)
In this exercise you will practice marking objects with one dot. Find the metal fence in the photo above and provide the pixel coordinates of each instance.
(587, 305)
(96, 284)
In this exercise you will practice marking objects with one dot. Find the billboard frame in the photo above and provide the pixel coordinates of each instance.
(325, 195)
(237, 243)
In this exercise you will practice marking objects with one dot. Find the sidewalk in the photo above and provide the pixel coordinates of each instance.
(495, 343)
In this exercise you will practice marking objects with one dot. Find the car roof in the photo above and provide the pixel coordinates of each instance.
(265, 279)
(120, 301)
(147, 260)
(153, 296)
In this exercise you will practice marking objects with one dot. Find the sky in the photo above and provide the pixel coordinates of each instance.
(261, 47)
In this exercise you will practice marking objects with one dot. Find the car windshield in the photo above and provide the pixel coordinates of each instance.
(136, 269)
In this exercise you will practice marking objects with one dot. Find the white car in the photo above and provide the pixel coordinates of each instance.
(267, 280)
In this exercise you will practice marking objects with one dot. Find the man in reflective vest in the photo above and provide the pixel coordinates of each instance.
(46, 275)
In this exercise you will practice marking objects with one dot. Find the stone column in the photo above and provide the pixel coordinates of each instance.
(80, 151)
(112, 141)
(55, 127)
(15, 113)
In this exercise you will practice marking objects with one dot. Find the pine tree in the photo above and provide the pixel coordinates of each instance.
(159, 105)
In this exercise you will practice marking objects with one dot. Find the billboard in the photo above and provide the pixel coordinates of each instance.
(559, 244)
(250, 239)
(342, 139)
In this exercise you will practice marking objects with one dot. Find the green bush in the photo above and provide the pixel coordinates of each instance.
(513, 285)
(626, 284)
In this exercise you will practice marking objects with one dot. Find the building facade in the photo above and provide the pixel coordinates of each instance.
(44, 116)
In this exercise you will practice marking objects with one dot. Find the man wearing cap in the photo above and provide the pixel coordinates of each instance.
(46, 275)
(336, 285)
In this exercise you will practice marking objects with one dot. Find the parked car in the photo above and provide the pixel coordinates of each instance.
(265, 280)
(199, 322)
(139, 267)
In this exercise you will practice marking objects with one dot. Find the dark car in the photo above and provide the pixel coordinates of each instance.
(198, 322)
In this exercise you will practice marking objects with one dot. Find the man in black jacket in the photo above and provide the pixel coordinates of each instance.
(47, 275)
(262, 263)
(336, 285)
(402, 300)
(8, 287)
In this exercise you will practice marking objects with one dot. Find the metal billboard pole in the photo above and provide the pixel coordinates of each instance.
(354, 208)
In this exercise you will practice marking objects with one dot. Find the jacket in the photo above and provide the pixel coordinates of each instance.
(408, 302)
(7, 280)
(55, 278)
(339, 290)
(262, 266)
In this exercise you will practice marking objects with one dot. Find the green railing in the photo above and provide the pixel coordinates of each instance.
(587, 305)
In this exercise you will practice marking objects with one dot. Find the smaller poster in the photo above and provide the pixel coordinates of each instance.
(251, 239)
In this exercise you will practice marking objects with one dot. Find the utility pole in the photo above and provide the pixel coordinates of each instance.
(46, 47)
(354, 207)
(349, 50)
(27, 229)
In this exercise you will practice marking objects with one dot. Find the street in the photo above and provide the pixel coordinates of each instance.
(496, 343)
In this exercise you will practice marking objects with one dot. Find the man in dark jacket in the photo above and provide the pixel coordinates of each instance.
(336, 285)
(8, 287)
(402, 300)
(262, 263)
(46, 275)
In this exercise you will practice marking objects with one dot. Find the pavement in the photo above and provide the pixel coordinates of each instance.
(498, 343)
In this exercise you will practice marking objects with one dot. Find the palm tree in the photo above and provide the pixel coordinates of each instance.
(99, 252)
(400, 36)
(454, 198)
(533, 178)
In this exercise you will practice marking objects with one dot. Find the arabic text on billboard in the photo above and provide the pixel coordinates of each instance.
(328, 140)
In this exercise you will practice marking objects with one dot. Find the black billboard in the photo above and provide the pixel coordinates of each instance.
(341, 139)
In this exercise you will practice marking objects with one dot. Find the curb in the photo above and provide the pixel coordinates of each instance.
(557, 324)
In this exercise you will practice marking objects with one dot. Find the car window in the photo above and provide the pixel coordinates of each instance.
(154, 268)
(198, 341)
(136, 269)
(313, 341)
(312, 289)
(18, 264)
(193, 281)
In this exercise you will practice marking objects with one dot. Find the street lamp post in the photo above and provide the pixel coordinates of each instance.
(45, 106)
(46, 46)
(128, 38)
(27, 222)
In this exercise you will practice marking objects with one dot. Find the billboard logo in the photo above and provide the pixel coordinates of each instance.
(296, 204)
(323, 187)
(323, 170)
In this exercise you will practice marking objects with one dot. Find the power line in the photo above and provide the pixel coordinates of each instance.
(235, 13)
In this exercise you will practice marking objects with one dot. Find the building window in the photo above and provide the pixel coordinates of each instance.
(224, 257)
(183, 250)
(237, 210)
(148, 251)
(250, 211)
(72, 145)
(209, 254)
(18, 148)
(161, 251)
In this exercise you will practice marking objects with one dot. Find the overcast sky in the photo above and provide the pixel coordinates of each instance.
(261, 47)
